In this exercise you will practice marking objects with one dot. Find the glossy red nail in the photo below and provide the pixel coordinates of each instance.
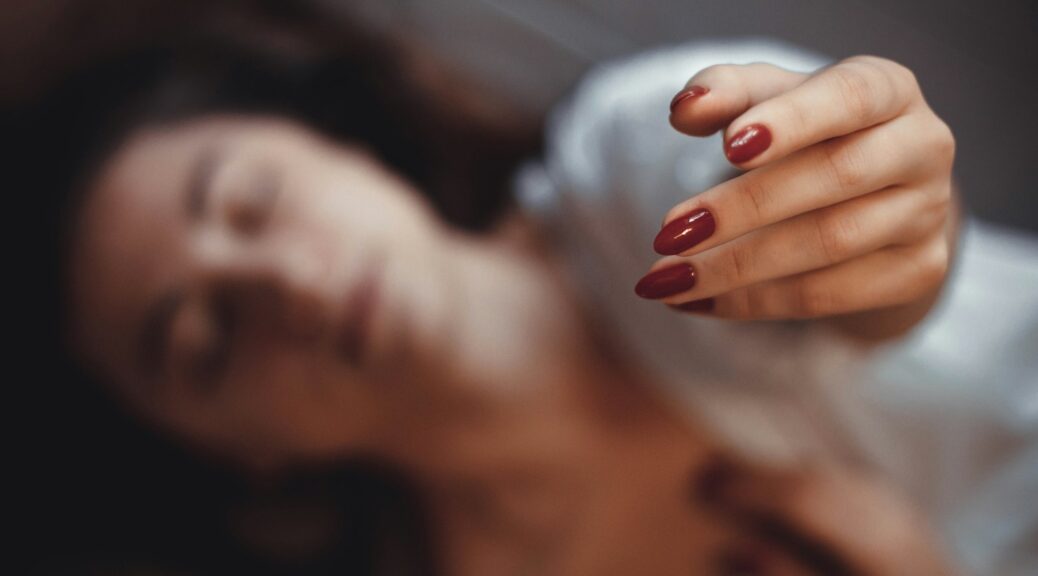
(686, 95)
(698, 306)
(666, 282)
(747, 143)
(684, 232)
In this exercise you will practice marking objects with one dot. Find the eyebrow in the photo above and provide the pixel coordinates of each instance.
(155, 333)
(199, 180)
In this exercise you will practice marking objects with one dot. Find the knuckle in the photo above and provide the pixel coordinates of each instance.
(740, 265)
(811, 299)
(758, 199)
(938, 200)
(933, 264)
(934, 210)
(907, 77)
(901, 77)
(755, 302)
(855, 89)
(904, 78)
(944, 143)
(837, 234)
(896, 69)
(846, 163)
(738, 305)
(929, 269)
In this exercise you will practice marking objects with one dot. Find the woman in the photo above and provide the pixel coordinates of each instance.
(279, 297)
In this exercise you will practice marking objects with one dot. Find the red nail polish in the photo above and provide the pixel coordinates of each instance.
(747, 143)
(666, 282)
(704, 305)
(685, 232)
(688, 94)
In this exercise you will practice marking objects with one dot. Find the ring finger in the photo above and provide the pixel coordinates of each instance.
(893, 276)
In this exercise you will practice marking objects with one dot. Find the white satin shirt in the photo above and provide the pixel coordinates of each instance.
(949, 413)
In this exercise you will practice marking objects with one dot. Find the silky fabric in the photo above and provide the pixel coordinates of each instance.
(948, 414)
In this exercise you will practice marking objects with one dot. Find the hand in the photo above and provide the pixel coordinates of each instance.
(846, 205)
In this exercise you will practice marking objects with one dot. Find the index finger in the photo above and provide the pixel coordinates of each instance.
(724, 91)
(852, 95)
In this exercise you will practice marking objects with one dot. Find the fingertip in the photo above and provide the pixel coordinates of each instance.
(748, 143)
(697, 111)
(687, 96)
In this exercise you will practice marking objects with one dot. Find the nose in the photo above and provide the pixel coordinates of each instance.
(278, 288)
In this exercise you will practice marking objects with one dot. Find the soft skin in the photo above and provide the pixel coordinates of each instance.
(273, 240)
(275, 297)
(846, 207)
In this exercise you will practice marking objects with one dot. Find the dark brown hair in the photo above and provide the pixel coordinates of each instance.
(456, 144)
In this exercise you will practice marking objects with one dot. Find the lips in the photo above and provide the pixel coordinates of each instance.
(362, 299)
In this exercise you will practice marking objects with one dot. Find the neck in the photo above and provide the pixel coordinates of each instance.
(525, 359)
(513, 481)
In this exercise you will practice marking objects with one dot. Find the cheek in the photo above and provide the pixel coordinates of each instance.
(371, 209)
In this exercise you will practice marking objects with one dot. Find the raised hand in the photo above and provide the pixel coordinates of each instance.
(846, 205)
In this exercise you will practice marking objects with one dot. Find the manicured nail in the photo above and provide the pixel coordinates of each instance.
(666, 282)
(688, 94)
(684, 233)
(700, 306)
(747, 143)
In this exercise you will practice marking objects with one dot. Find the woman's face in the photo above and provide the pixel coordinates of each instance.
(258, 288)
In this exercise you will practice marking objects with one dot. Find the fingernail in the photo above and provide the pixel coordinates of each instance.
(666, 282)
(688, 94)
(747, 143)
(700, 306)
(684, 233)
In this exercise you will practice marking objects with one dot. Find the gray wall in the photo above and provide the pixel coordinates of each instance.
(976, 60)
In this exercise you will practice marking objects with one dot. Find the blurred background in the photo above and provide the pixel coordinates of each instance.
(91, 468)
(976, 60)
